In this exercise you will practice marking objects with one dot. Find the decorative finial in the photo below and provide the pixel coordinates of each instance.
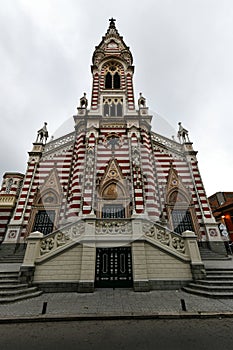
(112, 22)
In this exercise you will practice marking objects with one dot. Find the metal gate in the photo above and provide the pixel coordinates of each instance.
(113, 267)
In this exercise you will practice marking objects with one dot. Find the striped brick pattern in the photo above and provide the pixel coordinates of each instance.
(5, 215)
(130, 94)
(101, 79)
(89, 183)
(137, 178)
(152, 203)
(77, 177)
(163, 163)
(26, 197)
(35, 178)
(95, 92)
(105, 154)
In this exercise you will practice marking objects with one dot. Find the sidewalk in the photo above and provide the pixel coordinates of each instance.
(107, 303)
(110, 304)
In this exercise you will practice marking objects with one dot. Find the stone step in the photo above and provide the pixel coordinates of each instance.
(12, 286)
(8, 275)
(9, 280)
(215, 283)
(219, 271)
(11, 299)
(219, 277)
(218, 284)
(9, 293)
(212, 294)
(207, 254)
(211, 288)
(11, 260)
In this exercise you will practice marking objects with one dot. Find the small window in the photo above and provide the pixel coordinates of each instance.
(20, 184)
(44, 221)
(112, 81)
(113, 107)
(182, 221)
(9, 185)
(106, 109)
(108, 81)
(119, 109)
(116, 81)
(112, 211)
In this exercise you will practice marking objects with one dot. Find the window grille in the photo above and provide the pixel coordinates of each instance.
(113, 211)
(182, 221)
(44, 221)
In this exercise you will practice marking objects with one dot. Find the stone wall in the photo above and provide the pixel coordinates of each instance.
(65, 267)
(162, 266)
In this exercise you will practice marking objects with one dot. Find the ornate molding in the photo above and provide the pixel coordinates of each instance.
(111, 227)
(62, 141)
(61, 237)
(165, 237)
(164, 141)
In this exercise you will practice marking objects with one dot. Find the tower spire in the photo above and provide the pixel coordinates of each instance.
(112, 28)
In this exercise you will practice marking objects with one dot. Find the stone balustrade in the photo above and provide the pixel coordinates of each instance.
(92, 231)
(170, 239)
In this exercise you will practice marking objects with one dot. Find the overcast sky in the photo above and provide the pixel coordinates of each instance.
(183, 57)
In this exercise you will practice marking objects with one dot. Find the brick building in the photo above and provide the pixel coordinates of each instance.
(112, 203)
(221, 204)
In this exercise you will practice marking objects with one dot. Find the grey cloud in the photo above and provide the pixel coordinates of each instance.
(183, 65)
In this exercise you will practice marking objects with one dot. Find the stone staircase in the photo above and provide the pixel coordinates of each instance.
(12, 290)
(218, 284)
(11, 255)
(12, 258)
(207, 254)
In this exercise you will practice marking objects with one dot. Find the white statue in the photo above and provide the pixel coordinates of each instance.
(141, 101)
(42, 134)
(83, 101)
(182, 134)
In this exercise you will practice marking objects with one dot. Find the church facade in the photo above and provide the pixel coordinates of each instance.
(113, 203)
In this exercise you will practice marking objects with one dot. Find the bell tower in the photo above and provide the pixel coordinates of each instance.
(112, 71)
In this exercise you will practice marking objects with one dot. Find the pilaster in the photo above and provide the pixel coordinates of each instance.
(87, 275)
(140, 278)
(191, 246)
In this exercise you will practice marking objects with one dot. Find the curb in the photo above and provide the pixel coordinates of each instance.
(103, 317)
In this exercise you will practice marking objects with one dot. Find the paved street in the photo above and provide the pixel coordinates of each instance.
(205, 334)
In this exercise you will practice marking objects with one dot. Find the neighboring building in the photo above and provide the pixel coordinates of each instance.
(222, 207)
(111, 199)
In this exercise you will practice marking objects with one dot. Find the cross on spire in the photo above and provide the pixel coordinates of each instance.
(112, 22)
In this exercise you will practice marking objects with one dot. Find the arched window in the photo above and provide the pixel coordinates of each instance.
(112, 110)
(106, 109)
(112, 77)
(9, 185)
(20, 184)
(116, 81)
(108, 81)
(113, 107)
(119, 109)
(180, 212)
